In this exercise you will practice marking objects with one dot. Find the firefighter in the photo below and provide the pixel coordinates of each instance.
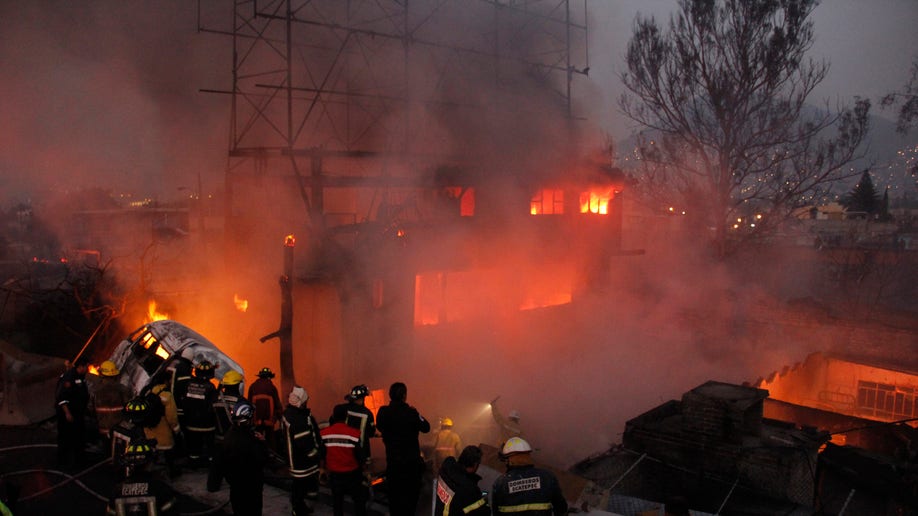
(230, 393)
(508, 426)
(181, 370)
(141, 492)
(446, 444)
(344, 462)
(198, 408)
(109, 396)
(137, 413)
(167, 426)
(304, 449)
(457, 490)
(72, 399)
(241, 461)
(525, 489)
(400, 424)
(360, 417)
(268, 408)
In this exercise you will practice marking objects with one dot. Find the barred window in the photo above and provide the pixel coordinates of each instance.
(885, 401)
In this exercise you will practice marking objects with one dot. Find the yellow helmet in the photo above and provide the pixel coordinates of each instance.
(108, 368)
(446, 421)
(232, 378)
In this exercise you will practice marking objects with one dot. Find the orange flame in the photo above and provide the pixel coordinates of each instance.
(241, 304)
(93, 370)
(152, 314)
(547, 201)
(289, 241)
(596, 200)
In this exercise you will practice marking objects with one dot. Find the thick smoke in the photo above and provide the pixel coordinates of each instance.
(92, 96)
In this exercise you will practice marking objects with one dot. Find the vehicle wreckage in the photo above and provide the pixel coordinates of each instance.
(163, 346)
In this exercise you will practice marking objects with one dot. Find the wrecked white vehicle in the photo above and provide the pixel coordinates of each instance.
(166, 346)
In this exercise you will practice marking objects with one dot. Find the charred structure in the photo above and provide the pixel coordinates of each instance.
(427, 158)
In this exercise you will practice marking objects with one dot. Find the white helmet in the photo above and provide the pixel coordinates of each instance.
(515, 445)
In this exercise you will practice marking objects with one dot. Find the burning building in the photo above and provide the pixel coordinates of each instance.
(434, 175)
(863, 402)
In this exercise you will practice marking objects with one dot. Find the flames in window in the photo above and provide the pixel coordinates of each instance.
(547, 201)
(596, 200)
(466, 198)
(447, 296)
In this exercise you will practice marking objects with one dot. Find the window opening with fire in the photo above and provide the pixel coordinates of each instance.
(547, 201)
(596, 200)
(466, 199)
(441, 297)
(149, 352)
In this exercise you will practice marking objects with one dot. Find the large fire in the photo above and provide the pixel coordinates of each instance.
(153, 314)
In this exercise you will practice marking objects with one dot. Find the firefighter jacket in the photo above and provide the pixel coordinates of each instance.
(304, 444)
(165, 429)
(72, 392)
(108, 398)
(223, 407)
(198, 405)
(528, 490)
(400, 424)
(446, 444)
(181, 375)
(241, 461)
(143, 495)
(458, 491)
(268, 407)
(343, 453)
(361, 418)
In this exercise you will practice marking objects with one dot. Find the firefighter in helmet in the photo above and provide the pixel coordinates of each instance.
(109, 396)
(241, 461)
(167, 427)
(198, 409)
(304, 450)
(141, 491)
(447, 443)
(229, 394)
(525, 489)
(360, 417)
(137, 413)
(268, 408)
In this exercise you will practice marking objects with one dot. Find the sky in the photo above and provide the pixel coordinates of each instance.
(107, 92)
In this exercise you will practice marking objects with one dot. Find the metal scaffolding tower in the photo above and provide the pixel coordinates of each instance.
(347, 93)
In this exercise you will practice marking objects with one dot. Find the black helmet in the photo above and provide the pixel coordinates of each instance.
(265, 373)
(137, 410)
(138, 453)
(243, 413)
(204, 369)
(357, 392)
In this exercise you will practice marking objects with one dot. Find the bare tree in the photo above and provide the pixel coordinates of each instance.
(907, 100)
(721, 98)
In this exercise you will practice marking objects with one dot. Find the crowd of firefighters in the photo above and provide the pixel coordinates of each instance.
(184, 412)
